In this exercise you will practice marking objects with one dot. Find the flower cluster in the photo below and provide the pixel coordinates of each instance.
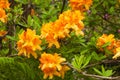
(4, 4)
(68, 21)
(81, 5)
(28, 43)
(51, 65)
(113, 44)
(106, 39)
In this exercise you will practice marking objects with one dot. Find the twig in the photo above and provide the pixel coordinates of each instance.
(63, 6)
(10, 33)
(90, 75)
(13, 55)
(101, 77)
(103, 62)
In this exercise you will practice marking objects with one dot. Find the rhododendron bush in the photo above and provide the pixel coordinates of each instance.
(59, 39)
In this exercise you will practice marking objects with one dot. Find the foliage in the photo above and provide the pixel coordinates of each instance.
(103, 72)
(59, 39)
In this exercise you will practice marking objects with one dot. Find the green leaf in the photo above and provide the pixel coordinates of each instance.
(86, 61)
(99, 56)
(97, 71)
(104, 72)
(84, 51)
(74, 63)
(71, 50)
(78, 61)
(36, 21)
(22, 24)
(111, 10)
(108, 51)
(11, 38)
(108, 73)
(81, 61)
(106, 44)
(30, 21)
(95, 55)
(22, 1)
(103, 69)
(83, 44)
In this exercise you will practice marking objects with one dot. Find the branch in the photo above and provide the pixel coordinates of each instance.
(103, 62)
(12, 55)
(101, 77)
(90, 75)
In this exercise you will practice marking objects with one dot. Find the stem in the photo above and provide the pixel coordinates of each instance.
(10, 33)
(63, 6)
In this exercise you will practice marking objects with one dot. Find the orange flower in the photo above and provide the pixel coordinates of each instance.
(72, 20)
(117, 54)
(116, 50)
(49, 60)
(117, 44)
(105, 39)
(29, 42)
(68, 21)
(51, 65)
(59, 29)
(63, 70)
(2, 33)
(81, 5)
(47, 32)
(4, 4)
(3, 16)
(50, 72)
(114, 45)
